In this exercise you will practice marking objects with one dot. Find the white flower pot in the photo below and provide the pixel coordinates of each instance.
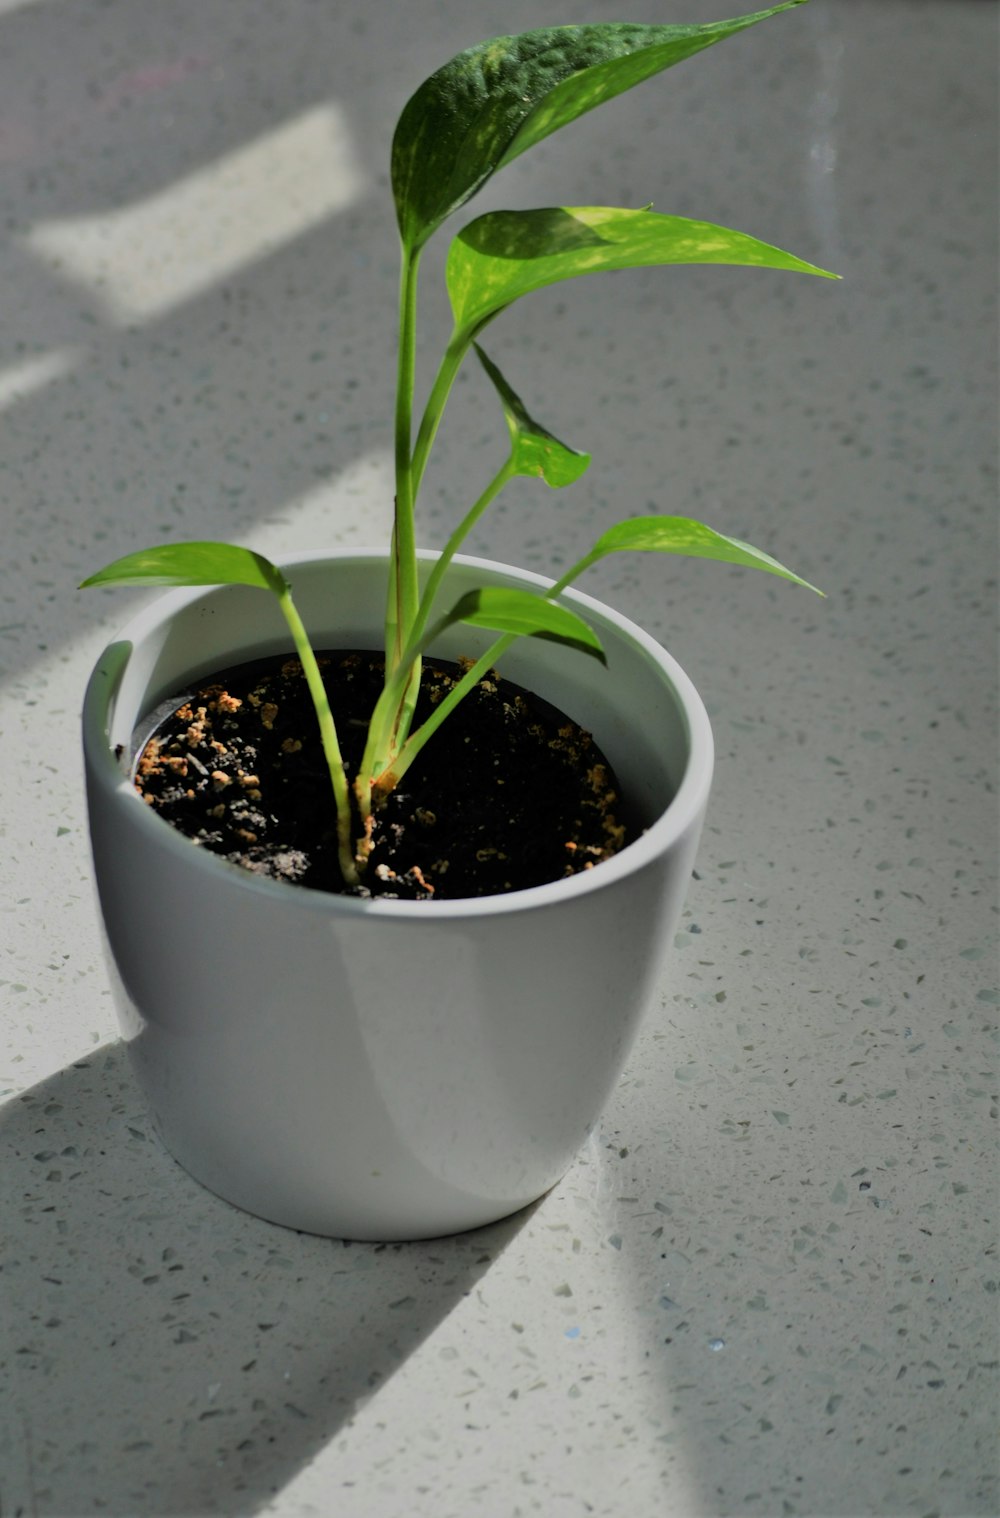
(380, 1069)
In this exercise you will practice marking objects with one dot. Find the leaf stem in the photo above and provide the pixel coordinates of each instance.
(458, 346)
(412, 747)
(381, 745)
(448, 552)
(403, 588)
(396, 769)
(328, 734)
(571, 574)
(406, 612)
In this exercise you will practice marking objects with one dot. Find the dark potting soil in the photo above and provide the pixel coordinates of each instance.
(508, 793)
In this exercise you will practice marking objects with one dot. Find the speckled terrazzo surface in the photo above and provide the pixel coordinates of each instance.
(769, 1284)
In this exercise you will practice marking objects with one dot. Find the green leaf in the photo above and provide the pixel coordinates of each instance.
(524, 614)
(506, 254)
(534, 450)
(681, 535)
(192, 564)
(489, 104)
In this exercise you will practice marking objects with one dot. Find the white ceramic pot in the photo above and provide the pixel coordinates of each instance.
(385, 1070)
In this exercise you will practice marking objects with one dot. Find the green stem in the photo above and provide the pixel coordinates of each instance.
(382, 744)
(571, 574)
(413, 745)
(395, 770)
(407, 611)
(404, 590)
(448, 552)
(457, 348)
(328, 735)
(391, 614)
(378, 746)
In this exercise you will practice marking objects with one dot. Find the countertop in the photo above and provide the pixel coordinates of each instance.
(768, 1285)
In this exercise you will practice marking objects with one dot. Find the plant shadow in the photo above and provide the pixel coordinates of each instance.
(146, 1318)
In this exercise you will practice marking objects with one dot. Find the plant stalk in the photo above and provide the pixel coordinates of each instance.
(408, 752)
(403, 587)
(570, 575)
(448, 552)
(405, 606)
(328, 735)
(458, 346)
(391, 776)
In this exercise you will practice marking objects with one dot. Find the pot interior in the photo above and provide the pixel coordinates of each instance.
(639, 708)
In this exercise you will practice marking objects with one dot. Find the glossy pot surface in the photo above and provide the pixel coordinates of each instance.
(385, 1070)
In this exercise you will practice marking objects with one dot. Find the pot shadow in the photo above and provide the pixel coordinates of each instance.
(171, 1354)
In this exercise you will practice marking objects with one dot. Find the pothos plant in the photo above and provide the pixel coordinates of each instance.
(480, 111)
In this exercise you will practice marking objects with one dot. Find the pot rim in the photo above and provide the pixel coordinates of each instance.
(678, 817)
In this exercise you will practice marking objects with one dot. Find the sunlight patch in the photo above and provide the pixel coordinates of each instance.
(352, 511)
(18, 381)
(150, 257)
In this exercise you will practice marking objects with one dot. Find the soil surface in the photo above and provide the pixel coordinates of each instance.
(509, 793)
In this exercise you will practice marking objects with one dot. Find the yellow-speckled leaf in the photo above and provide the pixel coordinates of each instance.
(506, 254)
(191, 564)
(490, 103)
(534, 450)
(681, 535)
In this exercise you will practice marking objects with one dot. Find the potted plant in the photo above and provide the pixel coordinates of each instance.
(343, 1060)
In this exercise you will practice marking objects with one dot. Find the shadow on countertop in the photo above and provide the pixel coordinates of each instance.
(167, 1353)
